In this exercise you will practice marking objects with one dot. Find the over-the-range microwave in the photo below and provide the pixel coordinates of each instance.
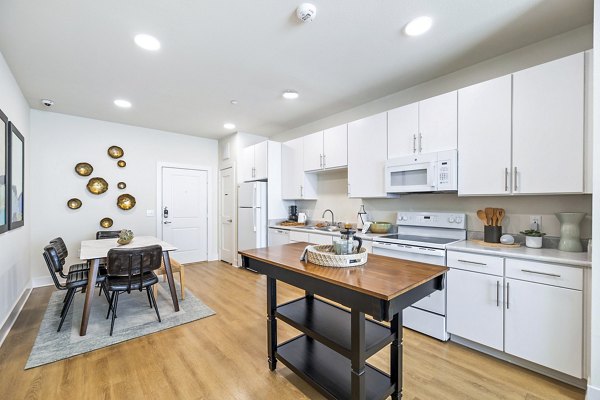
(429, 172)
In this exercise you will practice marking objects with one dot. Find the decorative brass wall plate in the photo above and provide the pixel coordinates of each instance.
(126, 202)
(97, 185)
(84, 169)
(74, 203)
(115, 152)
(106, 222)
(121, 185)
(121, 163)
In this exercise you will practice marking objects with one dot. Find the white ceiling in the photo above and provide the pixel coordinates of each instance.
(81, 54)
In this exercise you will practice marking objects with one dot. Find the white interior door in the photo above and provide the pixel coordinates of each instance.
(184, 213)
(227, 212)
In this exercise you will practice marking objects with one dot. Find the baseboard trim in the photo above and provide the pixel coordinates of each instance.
(593, 393)
(42, 281)
(580, 383)
(12, 317)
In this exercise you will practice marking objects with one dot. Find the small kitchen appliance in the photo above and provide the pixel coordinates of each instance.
(293, 213)
(428, 172)
(423, 237)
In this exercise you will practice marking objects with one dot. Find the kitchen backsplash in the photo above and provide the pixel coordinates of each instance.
(332, 192)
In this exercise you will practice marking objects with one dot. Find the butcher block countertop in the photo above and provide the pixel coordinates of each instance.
(381, 277)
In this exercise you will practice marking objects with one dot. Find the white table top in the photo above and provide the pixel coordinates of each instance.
(91, 249)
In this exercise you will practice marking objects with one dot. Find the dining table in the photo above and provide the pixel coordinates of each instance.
(94, 251)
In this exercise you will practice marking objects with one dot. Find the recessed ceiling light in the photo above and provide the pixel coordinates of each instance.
(234, 102)
(229, 125)
(147, 42)
(418, 26)
(122, 103)
(290, 95)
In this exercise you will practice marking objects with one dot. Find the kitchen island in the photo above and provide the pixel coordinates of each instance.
(332, 351)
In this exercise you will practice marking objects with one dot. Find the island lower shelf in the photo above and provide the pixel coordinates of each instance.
(330, 325)
(328, 371)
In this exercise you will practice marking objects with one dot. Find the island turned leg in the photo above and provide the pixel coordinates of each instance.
(271, 322)
(358, 359)
(396, 356)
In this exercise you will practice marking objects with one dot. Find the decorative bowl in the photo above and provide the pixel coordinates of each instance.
(74, 203)
(126, 202)
(121, 185)
(97, 185)
(380, 227)
(106, 222)
(84, 169)
(121, 163)
(115, 152)
(125, 237)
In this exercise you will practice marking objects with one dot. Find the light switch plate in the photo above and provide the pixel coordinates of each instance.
(149, 213)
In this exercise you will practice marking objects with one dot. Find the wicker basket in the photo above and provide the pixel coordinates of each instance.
(325, 256)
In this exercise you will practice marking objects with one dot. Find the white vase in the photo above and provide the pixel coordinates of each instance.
(535, 242)
(570, 234)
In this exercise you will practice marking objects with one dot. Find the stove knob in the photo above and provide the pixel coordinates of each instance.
(451, 219)
(458, 220)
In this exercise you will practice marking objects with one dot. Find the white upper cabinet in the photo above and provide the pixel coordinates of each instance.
(367, 150)
(484, 138)
(548, 117)
(424, 127)
(438, 123)
(295, 183)
(403, 130)
(254, 162)
(327, 149)
(335, 147)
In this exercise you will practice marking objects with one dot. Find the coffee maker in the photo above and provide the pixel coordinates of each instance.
(293, 214)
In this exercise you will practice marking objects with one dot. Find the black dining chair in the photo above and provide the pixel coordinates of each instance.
(131, 269)
(63, 253)
(107, 234)
(75, 281)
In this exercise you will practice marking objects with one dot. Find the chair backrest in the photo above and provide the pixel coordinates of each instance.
(107, 234)
(133, 263)
(53, 263)
(61, 249)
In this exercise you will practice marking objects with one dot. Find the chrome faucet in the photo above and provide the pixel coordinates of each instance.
(332, 219)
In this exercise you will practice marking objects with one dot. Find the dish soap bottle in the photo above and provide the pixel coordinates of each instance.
(362, 216)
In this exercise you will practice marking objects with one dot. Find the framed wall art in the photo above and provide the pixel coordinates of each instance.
(16, 178)
(3, 172)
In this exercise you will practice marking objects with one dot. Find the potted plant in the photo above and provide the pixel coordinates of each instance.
(533, 238)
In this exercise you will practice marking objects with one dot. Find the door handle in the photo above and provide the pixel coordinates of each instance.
(471, 262)
(167, 222)
(515, 179)
(229, 220)
(507, 295)
(320, 160)
(506, 179)
(324, 160)
(414, 143)
(420, 142)
(497, 293)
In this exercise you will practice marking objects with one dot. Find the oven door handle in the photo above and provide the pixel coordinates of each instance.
(410, 249)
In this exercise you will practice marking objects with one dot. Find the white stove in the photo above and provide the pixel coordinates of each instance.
(423, 237)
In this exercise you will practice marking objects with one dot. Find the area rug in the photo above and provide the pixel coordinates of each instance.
(135, 318)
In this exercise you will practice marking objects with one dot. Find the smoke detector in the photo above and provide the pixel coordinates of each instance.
(306, 12)
(47, 102)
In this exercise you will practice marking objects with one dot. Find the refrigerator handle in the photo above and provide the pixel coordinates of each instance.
(254, 211)
(254, 199)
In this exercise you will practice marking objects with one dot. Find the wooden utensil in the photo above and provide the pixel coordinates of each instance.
(489, 212)
(482, 217)
(501, 214)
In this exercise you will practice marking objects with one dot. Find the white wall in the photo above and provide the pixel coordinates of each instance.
(59, 141)
(594, 380)
(14, 245)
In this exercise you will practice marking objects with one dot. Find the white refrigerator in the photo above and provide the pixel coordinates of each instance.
(252, 216)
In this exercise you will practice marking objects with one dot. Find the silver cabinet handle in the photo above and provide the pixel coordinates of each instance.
(321, 160)
(497, 293)
(515, 179)
(507, 295)
(167, 222)
(349, 191)
(506, 179)
(301, 191)
(472, 262)
(414, 143)
(420, 142)
(324, 160)
(541, 273)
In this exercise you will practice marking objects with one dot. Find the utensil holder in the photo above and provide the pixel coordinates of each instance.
(491, 234)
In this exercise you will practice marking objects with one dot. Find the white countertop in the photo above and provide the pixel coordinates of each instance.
(364, 236)
(545, 255)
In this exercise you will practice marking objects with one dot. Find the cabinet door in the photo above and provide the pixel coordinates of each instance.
(335, 147)
(548, 120)
(247, 164)
(313, 151)
(543, 324)
(278, 237)
(403, 130)
(260, 160)
(438, 123)
(315, 238)
(367, 149)
(475, 307)
(291, 169)
(484, 143)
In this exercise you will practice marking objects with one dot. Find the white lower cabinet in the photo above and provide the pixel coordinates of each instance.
(278, 237)
(316, 238)
(533, 311)
(475, 307)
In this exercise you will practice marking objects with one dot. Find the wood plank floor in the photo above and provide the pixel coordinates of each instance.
(224, 357)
